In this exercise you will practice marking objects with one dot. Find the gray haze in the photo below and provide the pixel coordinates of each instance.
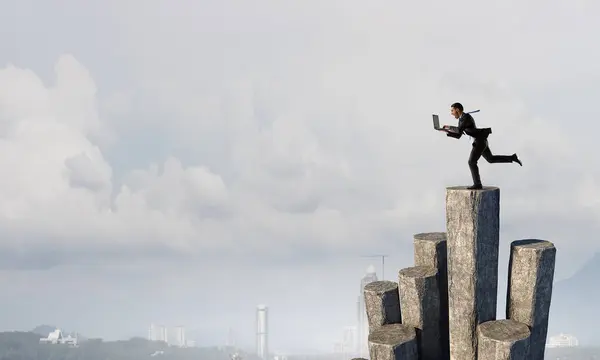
(181, 162)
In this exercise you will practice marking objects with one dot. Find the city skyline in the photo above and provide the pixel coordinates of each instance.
(347, 342)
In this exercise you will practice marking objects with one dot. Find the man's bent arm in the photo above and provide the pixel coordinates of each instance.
(453, 131)
(453, 134)
(462, 126)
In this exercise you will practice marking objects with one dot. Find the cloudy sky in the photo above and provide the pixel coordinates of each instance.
(182, 162)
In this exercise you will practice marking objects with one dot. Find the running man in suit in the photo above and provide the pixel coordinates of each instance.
(466, 125)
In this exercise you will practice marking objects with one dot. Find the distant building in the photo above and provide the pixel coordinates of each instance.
(362, 331)
(173, 337)
(157, 333)
(262, 343)
(349, 341)
(562, 341)
(57, 337)
(178, 338)
(231, 338)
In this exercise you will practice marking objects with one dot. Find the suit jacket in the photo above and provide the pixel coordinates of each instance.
(466, 125)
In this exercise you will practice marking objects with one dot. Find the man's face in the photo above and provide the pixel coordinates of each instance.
(454, 112)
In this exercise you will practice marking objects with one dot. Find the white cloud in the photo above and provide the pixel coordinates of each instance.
(296, 176)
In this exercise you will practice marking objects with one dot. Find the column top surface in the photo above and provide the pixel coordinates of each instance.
(431, 236)
(466, 188)
(418, 272)
(533, 244)
(393, 334)
(504, 330)
(381, 286)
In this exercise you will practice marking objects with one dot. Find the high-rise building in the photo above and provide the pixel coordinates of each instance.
(349, 340)
(262, 344)
(157, 333)
(231, 338)
(178, 338)
(362, 331)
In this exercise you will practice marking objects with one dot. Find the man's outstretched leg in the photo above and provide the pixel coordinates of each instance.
(476, 152)
(491, 158)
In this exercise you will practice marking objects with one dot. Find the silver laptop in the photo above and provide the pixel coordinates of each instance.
(436, 122)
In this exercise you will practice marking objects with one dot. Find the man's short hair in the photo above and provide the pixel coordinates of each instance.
(458, 106)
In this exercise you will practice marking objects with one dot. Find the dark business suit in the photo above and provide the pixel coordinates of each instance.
(466, 124)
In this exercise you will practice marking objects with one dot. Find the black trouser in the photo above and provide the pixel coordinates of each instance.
(480, 148)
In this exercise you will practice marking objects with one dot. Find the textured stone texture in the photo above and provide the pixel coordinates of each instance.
(503, 340)
(420, 306)
(472, 227)
(530, 277)
(393, 342)
(382, 301)
(430, 250)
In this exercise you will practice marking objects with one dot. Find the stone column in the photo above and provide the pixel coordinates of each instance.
(503, 340)
(382, 301)
(530, 277)
(472, 226)
(393, 342)
(420, 306)
(430, 250)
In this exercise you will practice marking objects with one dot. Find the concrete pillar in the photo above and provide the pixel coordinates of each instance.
(530, 277)
(430, 250)
(382, 301)
(420, 306)
(393, 342)
(503, 340)
(472, 227)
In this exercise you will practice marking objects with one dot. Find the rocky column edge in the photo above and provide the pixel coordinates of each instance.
(503, 340)
(472, 230)
(382, 301)
(430, 249)
(529, 293)
(420, 307)
(393, 342)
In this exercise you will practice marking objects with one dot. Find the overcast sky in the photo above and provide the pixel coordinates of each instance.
(181, 162)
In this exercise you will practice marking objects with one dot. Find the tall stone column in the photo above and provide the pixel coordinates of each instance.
(420, 306)
(472, 227)
(530, 278)
(382, 301)
(430, 249)
(503, 340)
(393, 342)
